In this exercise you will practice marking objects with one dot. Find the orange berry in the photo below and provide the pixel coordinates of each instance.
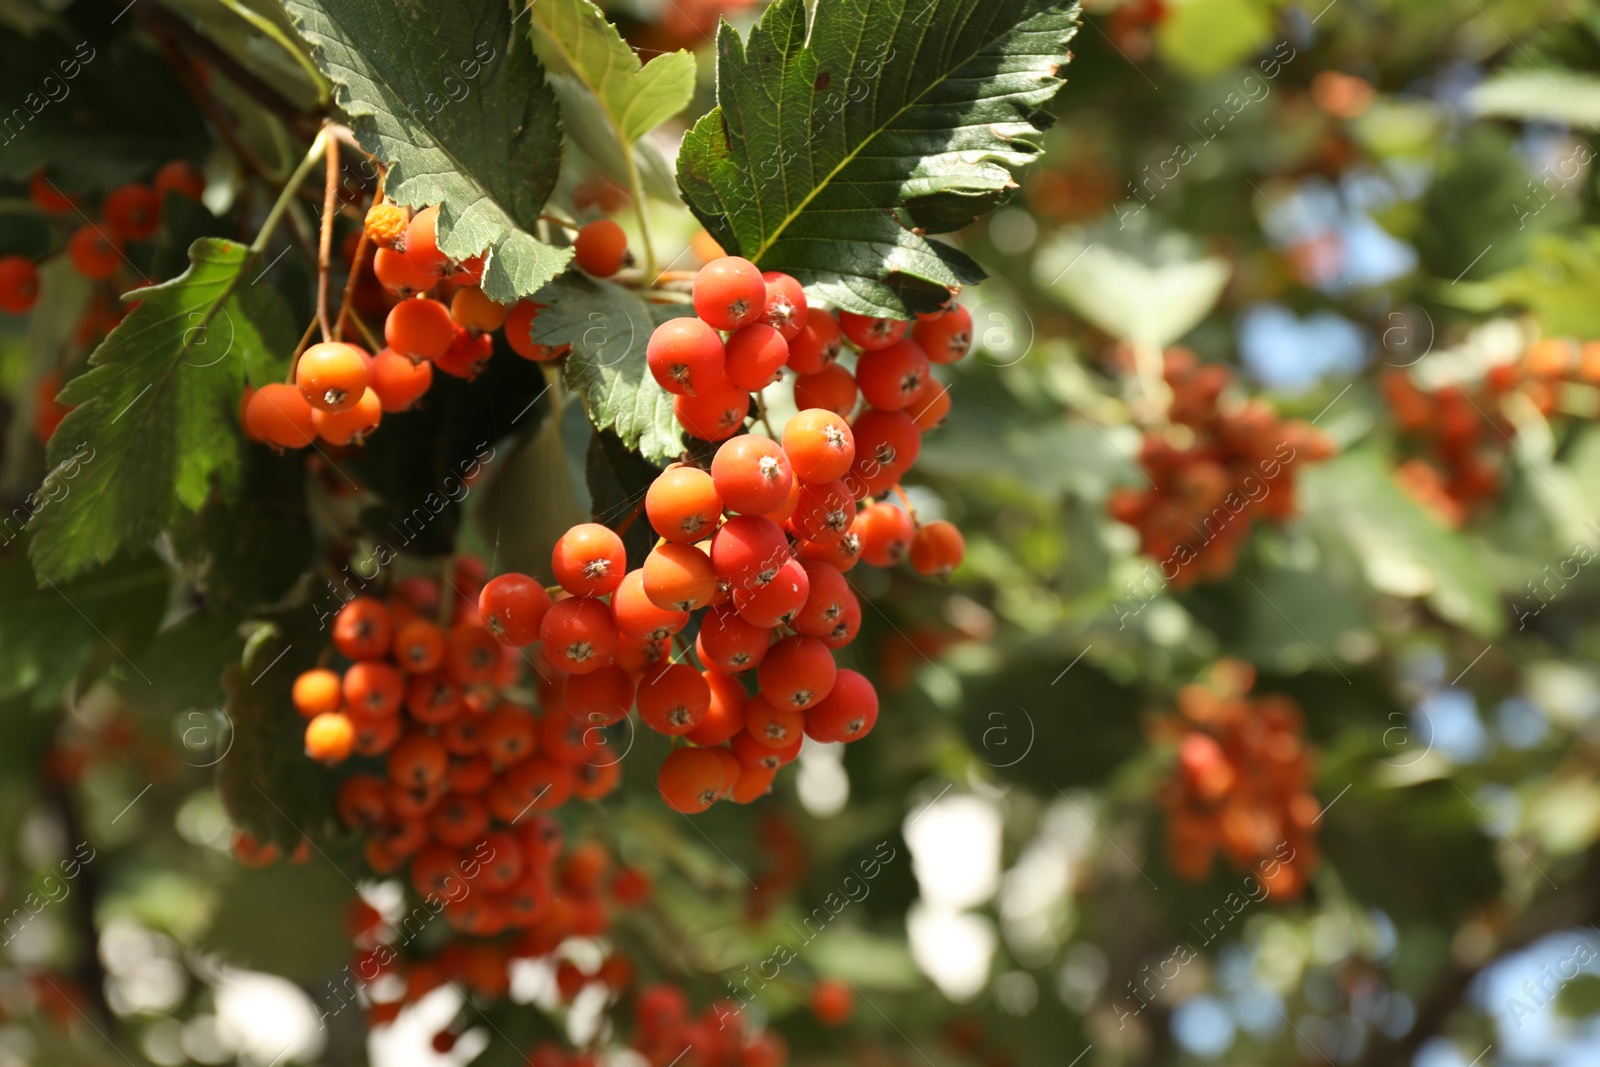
(937, 549)
(419, 328)
(332, 376)
(317, 691)
(330, 737)
(351, 425)
(363, 629)
(473, 311)
(832, 1002)
(278, 414)
(682, 503)
(589, 560)
(397, 381)
(386, 225)
(690, 779)
(674, 699)
(833, 388)
(678, 577)
(601, 248)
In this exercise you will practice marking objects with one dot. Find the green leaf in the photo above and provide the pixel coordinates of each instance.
(1401, 550)
(529, 503)
(1557, 283)
(1556, 96)
(267, 783)
(154, 428)
(287, 919)
(1205, 37)
(836, 147)
(460, 112)
(609, 98)
(1149, 300)
(608, 328)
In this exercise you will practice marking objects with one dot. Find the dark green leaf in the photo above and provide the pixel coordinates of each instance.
(452, 99)
(608, 328)
(530, 503)
(154, 428)
(269, 786)
(836, 146)
(286, 919)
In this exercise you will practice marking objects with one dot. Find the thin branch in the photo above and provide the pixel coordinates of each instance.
(330, 198)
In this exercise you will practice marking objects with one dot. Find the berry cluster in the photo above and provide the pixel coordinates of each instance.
(521, 882)
(129, 214)
(1225, 464)
(1242, 783)
(436, 316)
(720, 1036)
(1458, 430)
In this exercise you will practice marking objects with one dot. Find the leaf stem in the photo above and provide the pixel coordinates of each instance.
(319, 145)
(330, 196)
(635, 187)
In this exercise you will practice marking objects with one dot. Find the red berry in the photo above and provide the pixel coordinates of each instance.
(332, 376)
(945, 338)
(868, 333)
(889, 378)
(600, 697)
(724, 716)
(832, 1002)
(352, 424)
(637, 616)
(756, 355)
(519, 332)
(828, 591)
(600, 248)
(832, 388)
(399, 274)
(422, 244)
(748, 550)
(363, 629)
(824, 513)
(577, 635)
(796, 673)
(716, 413)
(589, 560)
(19, 284)
(771, 725)
(751, 474)
(132, 212)
(674, 699)
(690, 779)
(786, 309)
(180, 177)
(729, 642)
(398, 382)
(514, 605)
(373, 687)
(419, 328)
(277, 414)
(887, 444)
(816, 344)
(679, 577)
(94, 253)
(686, 357)
(937, 549)
(682, 504)
(778, 601)
(885, 532)
(729, 293)
(848, 713)
(820, 445)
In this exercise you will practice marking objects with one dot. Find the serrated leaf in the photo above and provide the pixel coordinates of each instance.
(608, 328)
(597, 76)
(836, 146)
(154, 427)
(449, 98)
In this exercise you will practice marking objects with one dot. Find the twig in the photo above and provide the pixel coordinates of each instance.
(330, 197)
(367, 335)
(906, 500)
(294, 360)
(350, 285)
(627, 520)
